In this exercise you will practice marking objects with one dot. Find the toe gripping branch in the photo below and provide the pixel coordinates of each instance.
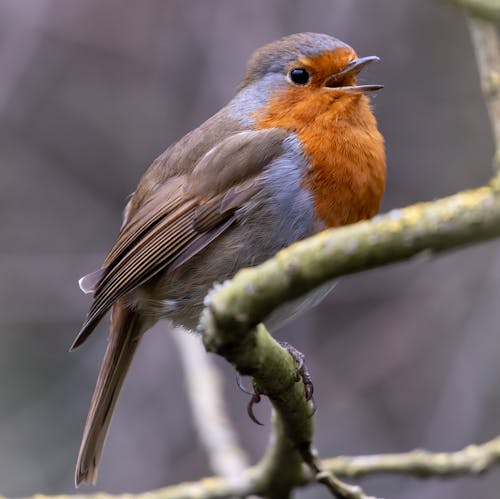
(302, 373)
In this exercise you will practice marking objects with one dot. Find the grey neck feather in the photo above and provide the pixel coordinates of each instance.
(253, 97)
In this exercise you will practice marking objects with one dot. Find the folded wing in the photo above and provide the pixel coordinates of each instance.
(181, 218)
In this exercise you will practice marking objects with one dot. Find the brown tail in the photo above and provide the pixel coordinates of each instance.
(125, 332)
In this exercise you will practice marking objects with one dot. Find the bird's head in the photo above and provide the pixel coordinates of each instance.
(307, 84)
(304, 75)
(309, 61)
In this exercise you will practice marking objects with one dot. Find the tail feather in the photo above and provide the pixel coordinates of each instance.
(125, 333)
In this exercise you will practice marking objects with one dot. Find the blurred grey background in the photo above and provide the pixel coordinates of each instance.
(90, 92)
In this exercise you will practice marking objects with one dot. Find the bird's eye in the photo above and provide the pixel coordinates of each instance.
(299, 76)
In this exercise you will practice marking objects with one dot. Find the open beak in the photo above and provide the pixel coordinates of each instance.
(351, 70)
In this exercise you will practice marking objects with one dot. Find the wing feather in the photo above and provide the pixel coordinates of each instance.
(182, 217)
(163, 201)
(142, 261)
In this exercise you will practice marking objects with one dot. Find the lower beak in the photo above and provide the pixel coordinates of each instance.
(354, 89)
(350, 71)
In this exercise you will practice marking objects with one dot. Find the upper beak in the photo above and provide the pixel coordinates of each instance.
(352, 69)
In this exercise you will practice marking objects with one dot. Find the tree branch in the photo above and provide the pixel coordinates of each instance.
(487, 48)
(255, 353)
(449, 223)
(489, 10)
(274, 374)
(472, 460)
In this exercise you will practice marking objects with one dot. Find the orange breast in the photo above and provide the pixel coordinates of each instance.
(344, 148)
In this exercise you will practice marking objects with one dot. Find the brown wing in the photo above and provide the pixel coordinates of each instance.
(182, 217)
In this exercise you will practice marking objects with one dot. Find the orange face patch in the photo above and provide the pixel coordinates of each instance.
(326, 64)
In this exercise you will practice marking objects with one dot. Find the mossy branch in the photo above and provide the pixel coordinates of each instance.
(449, 223)
(472, 460)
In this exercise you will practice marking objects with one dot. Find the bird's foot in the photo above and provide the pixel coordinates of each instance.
(303, 374)
(302, 371)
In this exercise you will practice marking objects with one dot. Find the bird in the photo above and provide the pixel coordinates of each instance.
(297, 150)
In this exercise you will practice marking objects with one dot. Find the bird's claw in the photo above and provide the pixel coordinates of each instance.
(303, 373)
(255, 399)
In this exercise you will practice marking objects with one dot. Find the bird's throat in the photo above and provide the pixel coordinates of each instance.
(344, 149)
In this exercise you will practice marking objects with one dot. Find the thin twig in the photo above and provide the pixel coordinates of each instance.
(486, 44)
(489, 10)
(472, 460)
(205, 393)
(337, 487)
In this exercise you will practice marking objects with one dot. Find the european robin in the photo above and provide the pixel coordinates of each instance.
(295, 151)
